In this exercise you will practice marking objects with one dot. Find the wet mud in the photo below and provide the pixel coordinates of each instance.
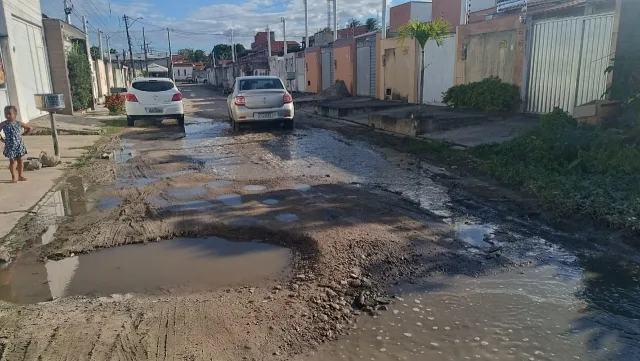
(342, 224)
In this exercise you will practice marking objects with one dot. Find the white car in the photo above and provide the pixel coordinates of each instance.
(154, 98)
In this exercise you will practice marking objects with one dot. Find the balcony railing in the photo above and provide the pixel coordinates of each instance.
(506, 5)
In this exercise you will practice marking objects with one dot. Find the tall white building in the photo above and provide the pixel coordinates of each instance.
(24, 68)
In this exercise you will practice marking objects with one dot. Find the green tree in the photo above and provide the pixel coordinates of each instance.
(372, 24)
(95, 52)
(423, 31)
(188, 53)
(353, 23)
(240, 50)
(79, 76)
(222, 52)
(199, 56)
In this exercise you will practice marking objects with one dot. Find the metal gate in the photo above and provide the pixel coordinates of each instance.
(568, 58)
(439, 74)
(366, 66)
(327, 67)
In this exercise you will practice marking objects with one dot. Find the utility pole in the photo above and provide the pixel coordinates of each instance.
(126, 25)
(335, 20)
(384, 19)
(284, 34)
(67, 11)
(170, 55)
(233, 48)
(100, 44)
(306, 24)
(268, 42)
(93, 71)
(144, 46)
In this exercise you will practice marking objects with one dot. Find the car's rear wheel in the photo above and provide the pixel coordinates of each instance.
(130, 121)
(181, 121)
(235, 125)
(288, 124)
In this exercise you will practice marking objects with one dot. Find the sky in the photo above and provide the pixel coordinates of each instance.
(201, 24)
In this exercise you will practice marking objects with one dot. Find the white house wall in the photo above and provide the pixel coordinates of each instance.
(24, 55)
(182, 72)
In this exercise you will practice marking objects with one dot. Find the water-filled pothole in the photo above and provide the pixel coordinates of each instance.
(231, 199)
(187, 193)
(287, 217)
(254, 188)
(270, 202)
(220, 183)
(181, 264)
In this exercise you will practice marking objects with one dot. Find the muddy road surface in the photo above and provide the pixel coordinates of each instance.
(312, 244)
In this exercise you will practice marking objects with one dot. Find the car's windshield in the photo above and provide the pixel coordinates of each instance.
(260, 83)
(153, 85)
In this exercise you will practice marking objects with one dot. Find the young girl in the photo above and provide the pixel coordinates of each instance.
(14, 148)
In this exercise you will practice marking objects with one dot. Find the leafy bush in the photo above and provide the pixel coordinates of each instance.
(489, 94)
(573, 169)
(115, 103)
(79, 77)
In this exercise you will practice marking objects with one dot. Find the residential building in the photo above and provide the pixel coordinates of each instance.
(24, 69)
(182, 71)
(61, 39)
(260, 43)
(323, 38)
(412, 10)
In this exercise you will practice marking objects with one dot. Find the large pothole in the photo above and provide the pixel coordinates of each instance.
(170, 266)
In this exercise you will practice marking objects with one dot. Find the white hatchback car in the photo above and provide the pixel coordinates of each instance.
(154, 98)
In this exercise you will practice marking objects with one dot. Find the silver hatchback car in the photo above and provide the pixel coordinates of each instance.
(260, 99)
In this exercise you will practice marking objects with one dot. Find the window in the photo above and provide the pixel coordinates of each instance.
(152, 86)
(259, 84)
(184, 72)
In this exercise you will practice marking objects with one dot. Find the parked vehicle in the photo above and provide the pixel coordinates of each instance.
(154, 98)
(260, 99)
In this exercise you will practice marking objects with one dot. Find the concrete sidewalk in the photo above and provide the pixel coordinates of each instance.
(16, 199)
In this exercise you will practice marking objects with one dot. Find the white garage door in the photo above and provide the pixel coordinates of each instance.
(31, 68)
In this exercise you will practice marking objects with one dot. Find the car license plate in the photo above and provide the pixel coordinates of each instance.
(264, 115)
(154, 110)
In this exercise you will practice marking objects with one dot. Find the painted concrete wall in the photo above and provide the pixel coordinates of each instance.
(313, 72)
(56, 53)
(397, 70)
(344, 57)
(24, 56)
(399, 15)
(182, 72)
(101, 74)
(494, 47)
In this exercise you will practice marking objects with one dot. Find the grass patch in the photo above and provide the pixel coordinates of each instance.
(573, 169)
(115, 125)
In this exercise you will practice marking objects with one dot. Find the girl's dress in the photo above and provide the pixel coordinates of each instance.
(13, 144)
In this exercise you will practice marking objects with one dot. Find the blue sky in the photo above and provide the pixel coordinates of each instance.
(202, 24)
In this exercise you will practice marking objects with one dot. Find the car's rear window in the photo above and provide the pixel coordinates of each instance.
(259, 84)
(152, 86)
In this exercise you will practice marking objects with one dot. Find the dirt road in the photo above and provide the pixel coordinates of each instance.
(133, 260)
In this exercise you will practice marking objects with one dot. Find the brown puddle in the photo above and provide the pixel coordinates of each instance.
(183, 264)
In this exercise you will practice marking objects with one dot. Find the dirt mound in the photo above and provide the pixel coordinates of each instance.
(337, 90)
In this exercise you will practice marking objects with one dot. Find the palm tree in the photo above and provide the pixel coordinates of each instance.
(372, 24)
(423, 31)
(353, 23)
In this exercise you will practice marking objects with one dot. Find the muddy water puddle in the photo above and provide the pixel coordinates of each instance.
(545, 313)
(179, 264)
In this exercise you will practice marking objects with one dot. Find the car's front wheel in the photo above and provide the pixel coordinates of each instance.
(181, 121)
(130, 121)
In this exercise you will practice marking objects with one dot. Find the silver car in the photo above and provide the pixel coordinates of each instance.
(259, 99)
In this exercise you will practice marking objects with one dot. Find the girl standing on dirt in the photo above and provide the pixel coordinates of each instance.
(14, 148)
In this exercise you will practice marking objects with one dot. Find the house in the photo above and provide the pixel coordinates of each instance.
(412, 10)
(260, 43)
(61, 39)
(182, 71)
(24, 69)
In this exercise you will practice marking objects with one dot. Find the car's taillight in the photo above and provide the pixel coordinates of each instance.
(239, 101)
(288, 99)
(176, 97)
(131, 97)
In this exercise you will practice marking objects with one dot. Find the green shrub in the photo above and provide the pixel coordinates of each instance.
(573, 169)
(79, 78)
(490, 94)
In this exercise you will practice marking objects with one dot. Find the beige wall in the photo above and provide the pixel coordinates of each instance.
(102, 79)
(58, 62)
(491, 48)
(313, 71)
(344, 57)
(396, 69)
